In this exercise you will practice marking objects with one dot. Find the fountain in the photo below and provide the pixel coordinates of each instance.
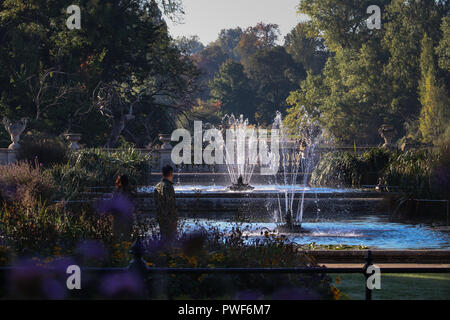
(239, 165)
(280, 185)
(297, 153)
(240, 186)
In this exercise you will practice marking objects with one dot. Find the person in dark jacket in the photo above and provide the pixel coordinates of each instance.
(123, 198)
(166, 210)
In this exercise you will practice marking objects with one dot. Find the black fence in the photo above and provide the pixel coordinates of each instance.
(139, 266)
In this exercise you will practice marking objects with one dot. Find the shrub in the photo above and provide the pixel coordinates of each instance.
(99, 168)
(47, 151)
(421, 173)
(212, 249)
(48, 230)
(349, 169)
(26, 184)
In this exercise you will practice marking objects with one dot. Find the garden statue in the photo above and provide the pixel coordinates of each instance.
(15, 130)
(73, 138)
(388, 133)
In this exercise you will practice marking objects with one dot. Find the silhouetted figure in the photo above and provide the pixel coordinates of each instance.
(166, 210)
(123, 197)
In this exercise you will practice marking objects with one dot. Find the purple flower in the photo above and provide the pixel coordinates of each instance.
(124, 285)
(91, 250)
(29, 281)
(117, 205)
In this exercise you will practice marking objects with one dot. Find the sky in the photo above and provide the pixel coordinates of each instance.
(205, 18)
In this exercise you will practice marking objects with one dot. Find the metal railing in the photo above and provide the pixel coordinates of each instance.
(139, 266)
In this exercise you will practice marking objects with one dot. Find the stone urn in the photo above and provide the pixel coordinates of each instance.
(166, 139)
(73, 138)
(388, 133)
(15, 130)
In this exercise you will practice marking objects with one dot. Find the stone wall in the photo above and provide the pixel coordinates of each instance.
(7, 156)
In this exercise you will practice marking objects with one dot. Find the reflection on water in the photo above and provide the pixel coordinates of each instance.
(371, 231)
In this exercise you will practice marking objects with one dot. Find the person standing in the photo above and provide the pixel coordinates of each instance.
(123, 203)
(166, 210)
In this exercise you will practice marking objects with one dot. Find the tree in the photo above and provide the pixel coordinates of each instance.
(348, 99)
(231, 87)
(274, 75)
(307, 50)
(435, 114)
(208, 62)
(254, 39)
(189, 45)
(51, 71)
(229, 40)
(341, 22)
(407, 22)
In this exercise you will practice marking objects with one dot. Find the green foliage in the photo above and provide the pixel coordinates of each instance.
(189, 45)
(306, 49)
(274, 75)
(218, 250)
(50, 73)
(229, 40)
(443, 49)
(255, 39)
(349, 98)
(206, 111)
(44, 230)
(47, 152)
(412, 171)
(435, 114)
(231, 87)
(99, 168)
(342, 22)
(346, 169)
(371, 77)
(418, 173)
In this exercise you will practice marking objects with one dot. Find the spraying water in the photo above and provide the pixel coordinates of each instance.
(241, 142)
(297, 157)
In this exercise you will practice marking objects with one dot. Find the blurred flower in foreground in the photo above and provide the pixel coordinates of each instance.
(91, 250)
(122, 286)
(118, 204)
(29, 281)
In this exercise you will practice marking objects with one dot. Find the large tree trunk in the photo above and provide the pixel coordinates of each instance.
(116, 131)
